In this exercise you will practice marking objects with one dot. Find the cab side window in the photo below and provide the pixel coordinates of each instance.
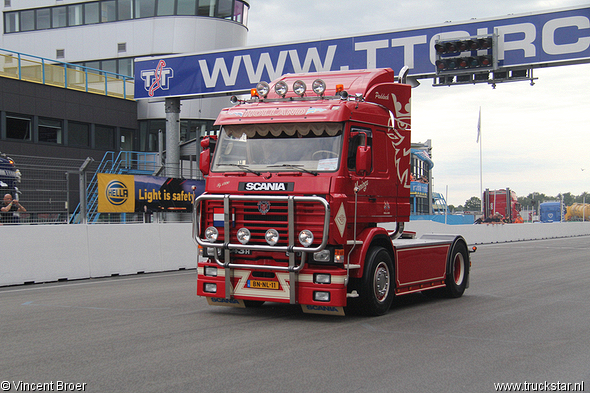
(359, 137)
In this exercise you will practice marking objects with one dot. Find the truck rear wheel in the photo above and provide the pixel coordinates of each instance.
(376, 291)
(457, 271)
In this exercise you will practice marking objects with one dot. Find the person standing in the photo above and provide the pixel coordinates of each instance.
(7, 210)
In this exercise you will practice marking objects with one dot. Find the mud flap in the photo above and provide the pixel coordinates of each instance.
(327, 310)
(220, 301)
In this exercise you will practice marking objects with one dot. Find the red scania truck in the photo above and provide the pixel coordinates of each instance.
(301, 183)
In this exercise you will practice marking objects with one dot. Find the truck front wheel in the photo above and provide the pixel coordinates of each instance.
(376, 289)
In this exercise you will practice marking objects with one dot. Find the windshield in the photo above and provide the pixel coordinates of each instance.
(305, 147)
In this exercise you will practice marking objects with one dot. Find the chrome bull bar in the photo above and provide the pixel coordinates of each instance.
(293, 268)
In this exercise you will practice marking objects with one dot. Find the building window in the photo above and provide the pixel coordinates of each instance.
(225, 9)
(165, 7)
(145, 8)
(206, 8)
(43, 16)
(11, 22)
(78, 134)
(148, 137)
(126, 67)
(27, 20)
(187, 7)
(125, 9)
(60, 16)
(239, 9)
(18, 127)
(50, 130)
(75, 15)
(91, 13)
(104, 137)
(108, 11)
(105, 11)
(127, 137)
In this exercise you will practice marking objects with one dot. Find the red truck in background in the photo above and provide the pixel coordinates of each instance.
(299, 182)
(501, 206)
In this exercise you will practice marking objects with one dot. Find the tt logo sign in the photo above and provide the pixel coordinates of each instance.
(157, 79)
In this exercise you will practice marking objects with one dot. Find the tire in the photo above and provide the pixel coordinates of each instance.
(376, 289)
(457, 271)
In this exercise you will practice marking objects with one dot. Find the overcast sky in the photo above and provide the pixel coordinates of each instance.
(534, 138)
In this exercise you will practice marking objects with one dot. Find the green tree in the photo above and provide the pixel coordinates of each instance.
(473, 204)
(568, 198)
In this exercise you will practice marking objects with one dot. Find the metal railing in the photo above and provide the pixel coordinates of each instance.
(69, 76)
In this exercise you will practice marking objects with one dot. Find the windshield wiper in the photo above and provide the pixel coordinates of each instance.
(242, 166)
(298, 167)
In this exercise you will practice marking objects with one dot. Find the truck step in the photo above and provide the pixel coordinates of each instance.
(350, 266)
(354, 242)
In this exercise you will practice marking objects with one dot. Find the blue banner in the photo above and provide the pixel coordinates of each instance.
(543, 38)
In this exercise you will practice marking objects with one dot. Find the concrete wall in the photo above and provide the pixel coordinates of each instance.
(482, 233)
(45, 253)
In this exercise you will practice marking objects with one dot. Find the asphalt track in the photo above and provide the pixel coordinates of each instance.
(524, 319)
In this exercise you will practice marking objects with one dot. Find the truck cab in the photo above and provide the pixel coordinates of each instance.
(298, 182)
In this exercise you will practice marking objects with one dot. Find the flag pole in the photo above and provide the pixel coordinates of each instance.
(479, 138)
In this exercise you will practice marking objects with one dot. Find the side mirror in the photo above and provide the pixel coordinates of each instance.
(208, 145)
(205, 162)
(363, 160)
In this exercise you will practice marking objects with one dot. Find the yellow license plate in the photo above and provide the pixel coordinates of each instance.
(259, 284)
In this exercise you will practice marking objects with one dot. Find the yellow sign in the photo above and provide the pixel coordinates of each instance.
(116, 193)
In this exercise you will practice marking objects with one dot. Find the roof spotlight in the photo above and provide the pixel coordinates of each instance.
(299, 88)
(263, 88)
(319, 87)
(281, 88)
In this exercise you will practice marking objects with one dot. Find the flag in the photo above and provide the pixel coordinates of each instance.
(478, 125)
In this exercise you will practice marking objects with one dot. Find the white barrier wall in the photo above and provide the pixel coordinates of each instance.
(498, 233)
(45, 253)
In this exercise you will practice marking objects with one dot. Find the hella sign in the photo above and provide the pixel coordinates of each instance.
(548, 38)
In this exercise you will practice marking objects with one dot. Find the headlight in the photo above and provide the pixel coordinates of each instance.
(281, 88)
(272, 236)
(306, 238)
(210, 271)
(299, 88)
(322, 278)
(211, 234)
(321, 296)
(318, 86)
(263, 88)
(322, 256)
(243, 235)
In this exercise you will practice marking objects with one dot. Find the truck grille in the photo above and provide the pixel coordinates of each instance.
(308, 214)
